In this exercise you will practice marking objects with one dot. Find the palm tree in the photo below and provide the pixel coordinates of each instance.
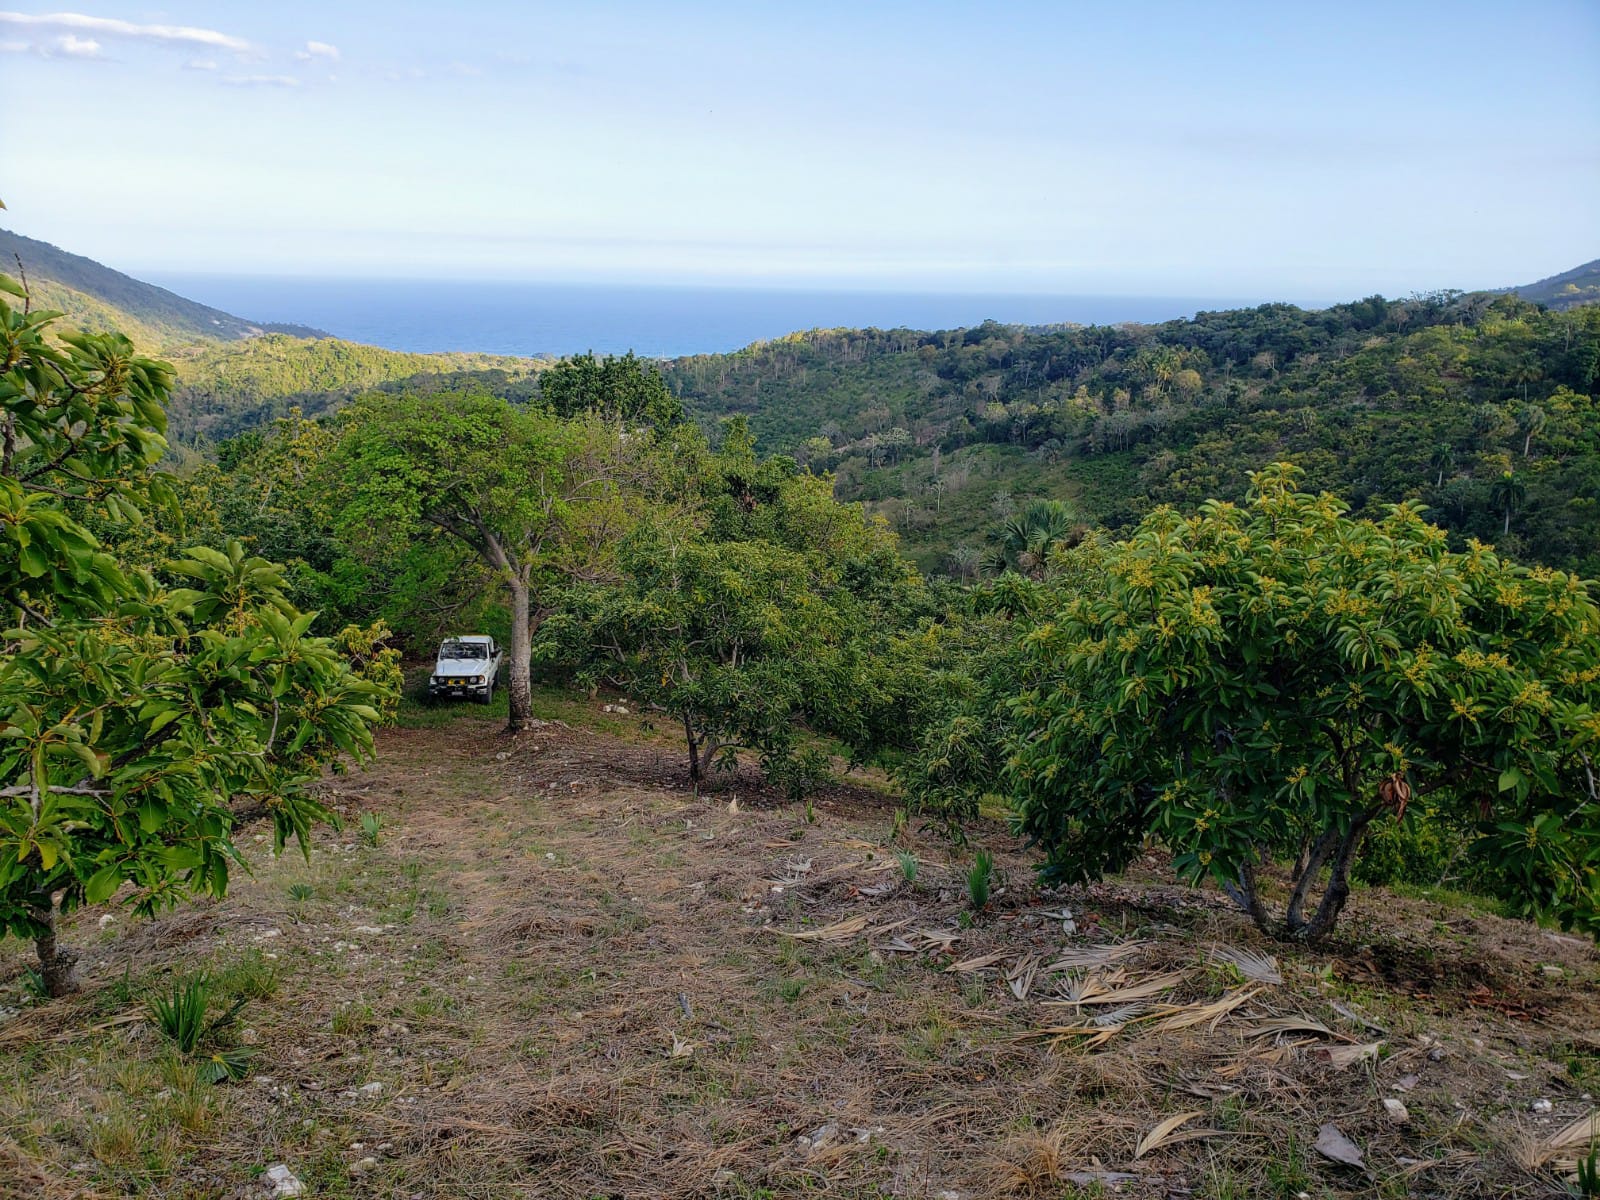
(1508, 493)
(1024, 541)
(1530, 420)
(1442, 459)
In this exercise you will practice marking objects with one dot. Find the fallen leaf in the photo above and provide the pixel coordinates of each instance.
(1332, 1144)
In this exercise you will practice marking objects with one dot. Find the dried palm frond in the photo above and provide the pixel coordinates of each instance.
(1167, 1134)
(1533, 1153)
(1258, 968)
(1093, 956)
(1186, 1016)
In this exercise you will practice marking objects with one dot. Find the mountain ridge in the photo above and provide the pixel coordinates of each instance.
(172, 317)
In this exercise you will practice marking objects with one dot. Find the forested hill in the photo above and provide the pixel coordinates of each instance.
(95, 296)
(1581, 285)
(1480, 406)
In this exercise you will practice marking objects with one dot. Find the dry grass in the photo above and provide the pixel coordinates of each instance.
(614, 987)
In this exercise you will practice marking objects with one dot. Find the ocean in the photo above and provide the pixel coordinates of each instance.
(657, 322)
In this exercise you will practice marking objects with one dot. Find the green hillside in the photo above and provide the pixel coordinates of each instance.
(87, 291)
(1581, 285)
(1432, 398)
(225, 388)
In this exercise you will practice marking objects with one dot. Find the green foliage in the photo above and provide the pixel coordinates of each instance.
(371, 827)
(181, 1016)
(980, 879)
(1268, 681)
(134, 712)
(908, 865)
(226, 389)
(1026, 541)
(934, 431)
(626, 390)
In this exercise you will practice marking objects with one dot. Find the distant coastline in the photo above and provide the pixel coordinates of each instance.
(664, 322)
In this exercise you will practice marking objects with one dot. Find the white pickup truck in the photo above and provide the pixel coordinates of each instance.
(466, 666)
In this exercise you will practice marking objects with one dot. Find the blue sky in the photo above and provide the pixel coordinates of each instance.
(1311, 151)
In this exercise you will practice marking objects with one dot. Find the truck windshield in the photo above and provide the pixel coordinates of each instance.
(463, 650)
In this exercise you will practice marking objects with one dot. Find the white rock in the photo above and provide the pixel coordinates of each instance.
(371, 1089)
(364, 1165)
(1397, 1112)
(1540, 1105)
(283, 1181)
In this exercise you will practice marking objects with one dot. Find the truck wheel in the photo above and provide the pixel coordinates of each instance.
(488, 695)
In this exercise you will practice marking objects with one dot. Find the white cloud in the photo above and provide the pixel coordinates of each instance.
(317, 50)
(200, 64)
(14, 47)
(77, 47)
(176, 35)
(283, 81)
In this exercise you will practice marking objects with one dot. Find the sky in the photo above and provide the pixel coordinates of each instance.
(1280, 150)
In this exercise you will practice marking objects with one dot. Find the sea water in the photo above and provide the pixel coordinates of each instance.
(659, 322)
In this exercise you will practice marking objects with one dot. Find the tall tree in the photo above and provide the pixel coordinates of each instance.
(1442, 459)
(486, 475)
(1508, 494)
(1531, 420)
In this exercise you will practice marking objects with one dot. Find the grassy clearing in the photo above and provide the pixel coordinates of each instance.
(567, 976)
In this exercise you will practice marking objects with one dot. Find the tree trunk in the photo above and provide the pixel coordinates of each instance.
(520, 690)
(58, 966)
(1338, 890)
(694, 750)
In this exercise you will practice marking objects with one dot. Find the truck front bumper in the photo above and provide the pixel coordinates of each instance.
(439, 689)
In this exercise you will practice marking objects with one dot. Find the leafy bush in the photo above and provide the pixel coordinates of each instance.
(1269, 682)
(134, 712)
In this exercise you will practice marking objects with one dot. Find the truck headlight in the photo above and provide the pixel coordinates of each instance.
(477, 679)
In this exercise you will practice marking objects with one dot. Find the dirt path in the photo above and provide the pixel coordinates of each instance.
(558, 973)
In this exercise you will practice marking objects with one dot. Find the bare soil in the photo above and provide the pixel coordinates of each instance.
(569, 975)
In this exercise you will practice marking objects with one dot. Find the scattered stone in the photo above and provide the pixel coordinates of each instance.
(620, 709)
(1436, 1054)
(1406, 1082)
(283, 1181)
(1541, 1105)
(371, 1089)
(819, 1137)
(1396, 1111)
(362, 1166)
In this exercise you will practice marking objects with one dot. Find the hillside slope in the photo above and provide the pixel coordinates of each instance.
(1581, 285)
(1430, 399)
(162, 315)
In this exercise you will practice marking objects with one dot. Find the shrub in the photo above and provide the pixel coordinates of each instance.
(1272, 681)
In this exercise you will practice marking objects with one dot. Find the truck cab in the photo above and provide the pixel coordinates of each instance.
(465, 668)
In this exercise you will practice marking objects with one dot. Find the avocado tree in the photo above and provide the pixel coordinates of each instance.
(1261, 683)
(133, 714)
(728, 637)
